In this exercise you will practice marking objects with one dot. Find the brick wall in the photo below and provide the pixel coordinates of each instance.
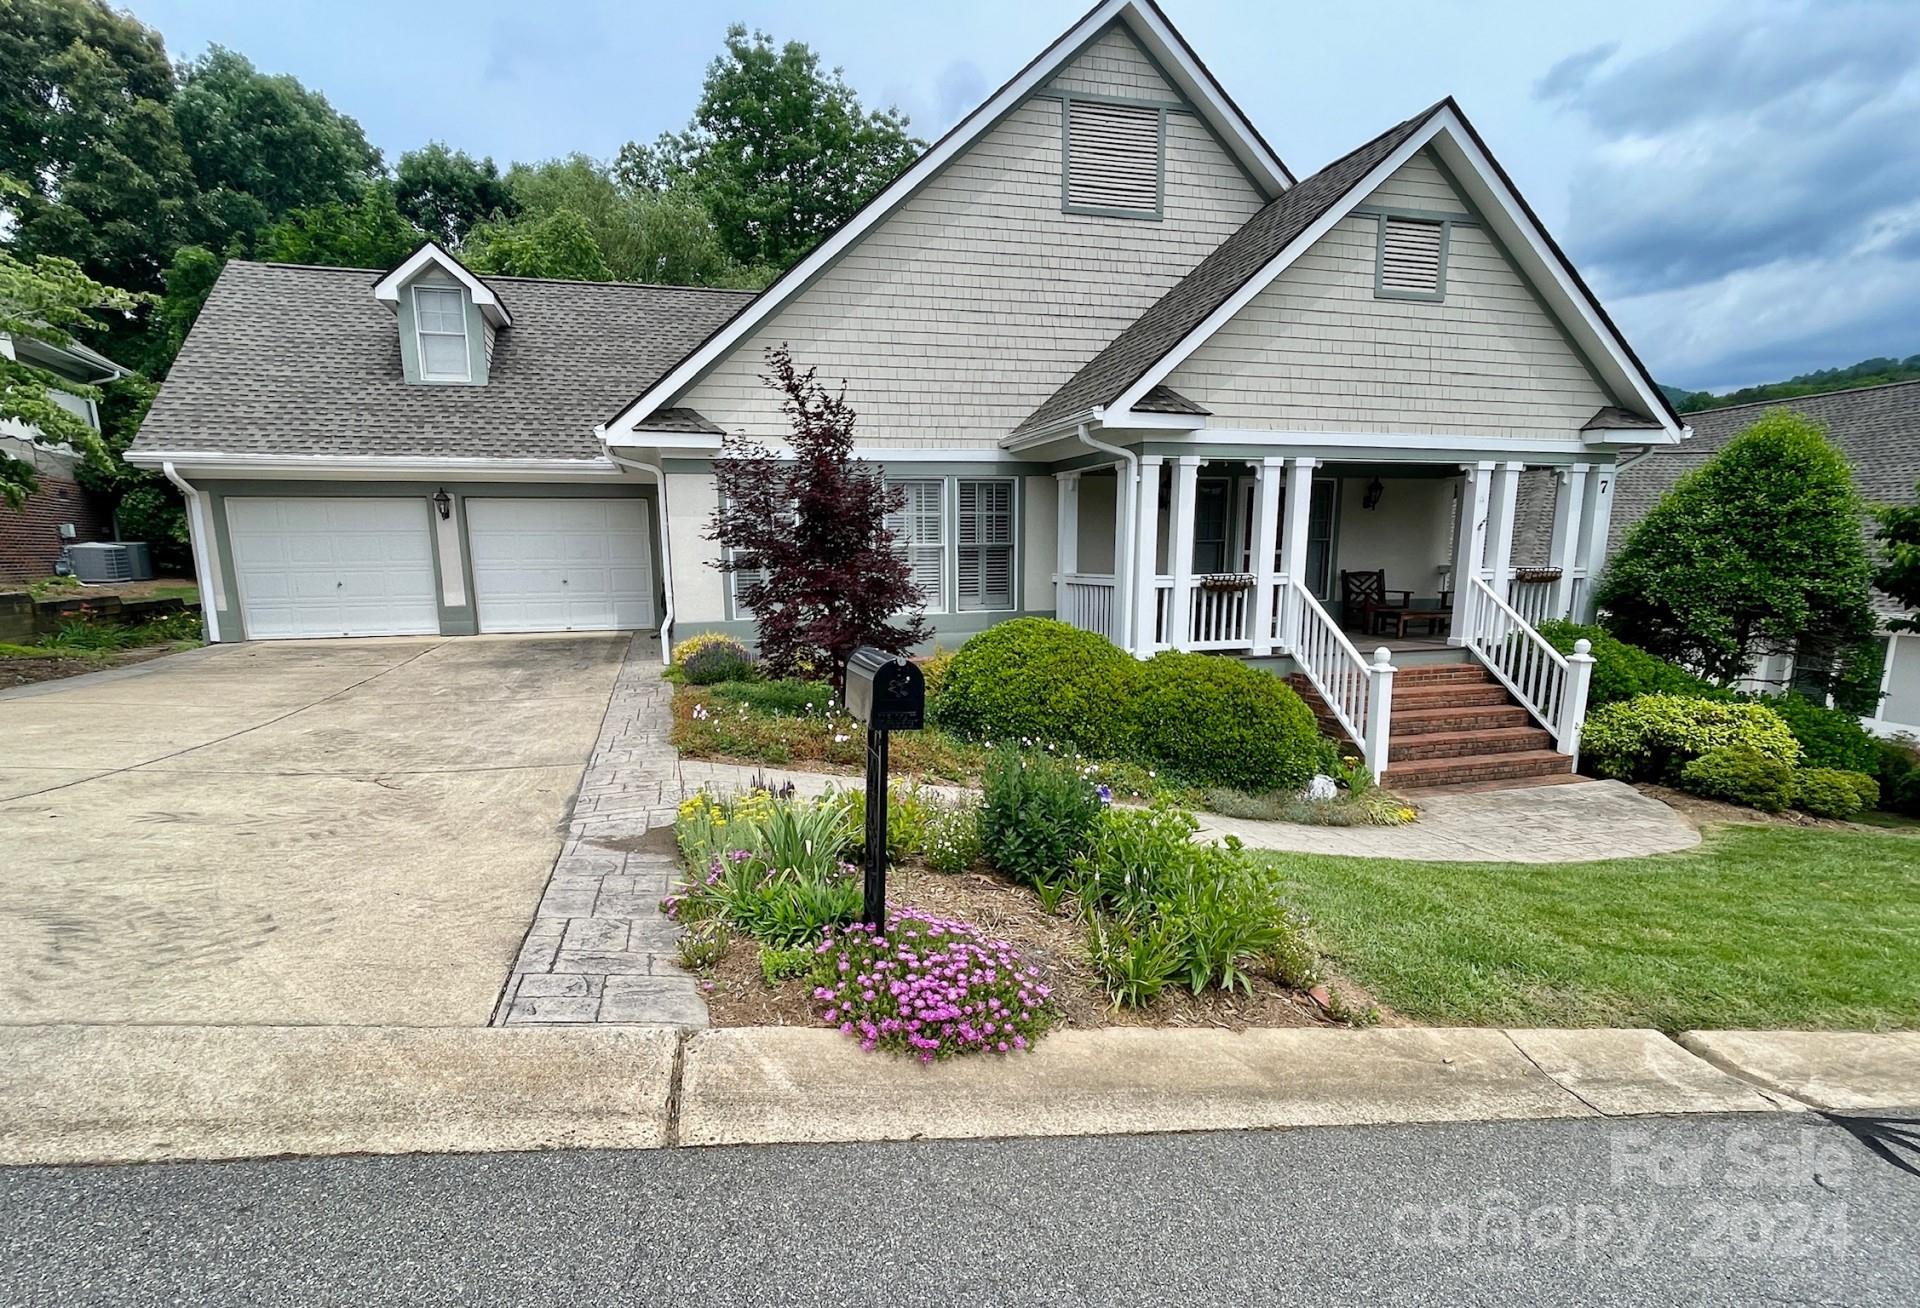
(30, 535)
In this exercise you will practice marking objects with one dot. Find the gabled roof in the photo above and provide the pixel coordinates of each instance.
(293, 360)
(387, 289)
(1876, 427)
(1239, 258)
(1143, 20)
(1114, 381)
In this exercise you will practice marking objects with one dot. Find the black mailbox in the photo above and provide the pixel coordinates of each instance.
(885, 691)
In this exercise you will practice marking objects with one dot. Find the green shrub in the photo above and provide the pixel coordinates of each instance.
(777, 965)
(1622, 671)
(1036, 817)
(1898, 770)
(1136, 959)
(1652, 737)
(1740, 775)
(1829, 738)
(770, 868)
(1834, 792)
(1044, 682)
(779, 699)
(717, 661)
(1216, 721)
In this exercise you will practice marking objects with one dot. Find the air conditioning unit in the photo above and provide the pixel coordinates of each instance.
(100, 562)
(139, 559)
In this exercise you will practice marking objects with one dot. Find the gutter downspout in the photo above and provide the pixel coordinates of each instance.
(202, 542)
(659, 476)
(1130, 527)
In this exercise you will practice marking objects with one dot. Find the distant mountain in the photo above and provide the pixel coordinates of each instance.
(1868, 372)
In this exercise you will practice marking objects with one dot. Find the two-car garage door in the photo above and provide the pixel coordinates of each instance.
(364, 566)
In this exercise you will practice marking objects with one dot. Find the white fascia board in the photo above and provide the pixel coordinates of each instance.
(1259, 282)
(387, 289)
(1151, 28)
(1142, 20)
(1635, 435)
(218, 463)
(1548, 271)
(1549, 274)
(1385, 442)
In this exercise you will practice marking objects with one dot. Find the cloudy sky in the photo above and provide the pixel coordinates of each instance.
(1740, 181)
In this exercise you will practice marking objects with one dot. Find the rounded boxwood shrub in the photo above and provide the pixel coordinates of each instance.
(1652, 737)
(721, 659)
(1739, 774)
(1043, 681)
(1216, 721)
(1834, 792)
(1829, 738)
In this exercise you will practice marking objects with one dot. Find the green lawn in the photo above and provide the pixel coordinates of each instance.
(1760, 926)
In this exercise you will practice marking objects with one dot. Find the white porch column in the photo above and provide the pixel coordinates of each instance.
(1186, 487)
(1596, 516)
(1293, 544)
(1569, 493)
(1146, 554)
(1267, 475)
(1066, 541)
(1476, 481)
(1500, 515)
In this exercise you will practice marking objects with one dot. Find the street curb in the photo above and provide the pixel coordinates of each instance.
(1833, 1071)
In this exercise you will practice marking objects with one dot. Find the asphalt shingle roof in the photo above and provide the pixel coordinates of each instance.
(1876, 427)
(288, 359)
(1107, 375)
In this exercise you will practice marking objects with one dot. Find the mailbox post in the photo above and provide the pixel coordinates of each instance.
(886, 692)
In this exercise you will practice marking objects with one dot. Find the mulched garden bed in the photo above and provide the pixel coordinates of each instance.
(28, 671)
(739, 996)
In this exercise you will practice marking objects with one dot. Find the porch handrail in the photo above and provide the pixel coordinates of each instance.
(1550, 685)
(1359, 694)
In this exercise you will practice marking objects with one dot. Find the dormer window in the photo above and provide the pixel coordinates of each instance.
(440, 316)
(449, 320)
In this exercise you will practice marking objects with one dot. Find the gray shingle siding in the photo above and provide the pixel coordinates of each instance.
(288, 359)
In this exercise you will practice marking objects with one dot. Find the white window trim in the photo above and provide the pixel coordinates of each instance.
(1013, 552)
(466, 343)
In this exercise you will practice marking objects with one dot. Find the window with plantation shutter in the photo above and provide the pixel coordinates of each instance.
(985, 573)
(919, 536)
(1114, 157)
(1412, 259)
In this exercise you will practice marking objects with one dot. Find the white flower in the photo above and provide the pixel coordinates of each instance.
(839, 738)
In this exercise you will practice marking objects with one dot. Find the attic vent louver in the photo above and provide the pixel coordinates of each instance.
(1413, 259)
(1114, 158)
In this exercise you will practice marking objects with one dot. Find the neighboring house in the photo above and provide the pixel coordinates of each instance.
(1128, 369)
(1878, 429)
(61, 511)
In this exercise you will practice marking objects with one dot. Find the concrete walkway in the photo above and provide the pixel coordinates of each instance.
(124, 1094)
(1578, 822)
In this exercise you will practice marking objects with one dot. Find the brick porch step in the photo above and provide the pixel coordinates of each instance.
(1419, 695)
(1482, 717)
(1465, 744)
(1447, 673)
(1428, 773)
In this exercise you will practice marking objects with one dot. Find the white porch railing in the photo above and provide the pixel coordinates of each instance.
(1359, 694)
(1550, 685)
(1219, 618)
(1087, 601)
(1533, 600)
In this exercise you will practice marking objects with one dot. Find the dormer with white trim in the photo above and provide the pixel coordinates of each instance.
(448, 318)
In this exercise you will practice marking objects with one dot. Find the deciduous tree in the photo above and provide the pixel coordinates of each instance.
(558, 244)
(1759, 552)
(815, 528)
(1899, 571)
(446, 192)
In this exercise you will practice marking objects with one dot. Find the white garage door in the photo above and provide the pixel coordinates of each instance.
(333, 567)
(561, 565)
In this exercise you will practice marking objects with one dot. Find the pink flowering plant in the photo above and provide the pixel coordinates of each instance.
(928, 987)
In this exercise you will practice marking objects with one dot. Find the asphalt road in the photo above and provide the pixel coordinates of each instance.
(1695, 1211)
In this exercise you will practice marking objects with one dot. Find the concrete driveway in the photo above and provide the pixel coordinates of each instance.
(289, 833)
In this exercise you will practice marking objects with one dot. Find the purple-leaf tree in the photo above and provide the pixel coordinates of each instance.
(811, 534)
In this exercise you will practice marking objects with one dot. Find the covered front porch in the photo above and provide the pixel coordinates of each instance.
(1342, 569)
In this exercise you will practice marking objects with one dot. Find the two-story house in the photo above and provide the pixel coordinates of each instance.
(1128, 369)
(61, 511)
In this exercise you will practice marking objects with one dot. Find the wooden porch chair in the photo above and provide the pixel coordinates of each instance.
(1364, 596)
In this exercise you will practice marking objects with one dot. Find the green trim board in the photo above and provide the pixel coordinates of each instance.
(456, 619)
(1381, 291)
(1159, 210)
